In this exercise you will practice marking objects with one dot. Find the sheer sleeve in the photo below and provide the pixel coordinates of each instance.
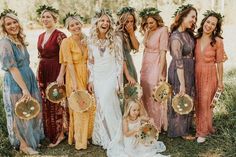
(176, 52)
(65, 52)
(60, 37)
(90, 63)
(164, 39)
(7, 57)
(220, 53)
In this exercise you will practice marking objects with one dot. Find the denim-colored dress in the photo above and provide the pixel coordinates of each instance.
(31, 131)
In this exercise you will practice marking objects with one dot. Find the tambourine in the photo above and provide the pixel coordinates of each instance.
(27, 110)
(216, 98)
(162, 92)
(80, 101)
(134, 91)
(147, 134)
(182, 104)
(55, 93)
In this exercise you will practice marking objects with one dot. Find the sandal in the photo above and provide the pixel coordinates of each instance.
(189, 137)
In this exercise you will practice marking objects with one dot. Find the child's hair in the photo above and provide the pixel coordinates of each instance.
(129, 104)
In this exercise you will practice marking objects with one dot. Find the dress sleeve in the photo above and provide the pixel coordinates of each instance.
(176, 52)
(164, 39)
(220, 52)
(7, 57)
(90, 63)
(65, 52)
(60, 37)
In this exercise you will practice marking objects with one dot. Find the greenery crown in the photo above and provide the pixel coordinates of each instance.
(213, 13)
(103, 11)
(45, 7)
(149, 11)
(181, 9)
(72, 15)
(125, 10)
(7, 11)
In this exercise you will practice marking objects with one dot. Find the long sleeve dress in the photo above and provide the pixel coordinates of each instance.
(181, 49)
(48, 70)
(206, 84)
(81, 124)
(30, 131)
(106, 75)
(150, 74)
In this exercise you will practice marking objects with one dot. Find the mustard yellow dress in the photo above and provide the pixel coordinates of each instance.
(81, 124)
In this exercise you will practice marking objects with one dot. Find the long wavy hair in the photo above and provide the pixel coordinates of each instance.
(20, 41)
(156, 17)
(94, 32)
(123, 19)
(179, 18)
(216, 33)
(129, 104)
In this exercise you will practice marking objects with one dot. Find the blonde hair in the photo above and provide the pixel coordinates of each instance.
(54, 15)
(20, 36)
(129, 104)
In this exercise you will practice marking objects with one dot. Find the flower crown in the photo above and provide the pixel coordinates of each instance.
(125, 10)
(7, 11)
(149, 11)
(213, 13)
(72, 15)
(181, 9)
(45, 7)
(103, 11)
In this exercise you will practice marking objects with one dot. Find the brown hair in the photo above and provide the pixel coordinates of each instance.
(179, 19)
(156, 17)
(122, 21)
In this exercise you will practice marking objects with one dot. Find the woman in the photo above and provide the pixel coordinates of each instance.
(126, 27)
(74, 55)
(19, 82)
(105, 79)
(209, 55)
(48, 71)
(181, 69)
(153, 68)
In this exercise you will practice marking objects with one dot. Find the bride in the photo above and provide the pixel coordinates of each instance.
(105, 79)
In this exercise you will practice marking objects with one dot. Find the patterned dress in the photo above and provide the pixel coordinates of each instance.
(150, 74)
(48, 70)
(206, 84)
(81, 124)
(30, 131)
(181, 50)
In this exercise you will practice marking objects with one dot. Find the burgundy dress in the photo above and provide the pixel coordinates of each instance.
(48, 70)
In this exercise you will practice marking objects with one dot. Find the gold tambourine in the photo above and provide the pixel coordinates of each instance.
(80, 101)
(182, 104)
(162, 92)
(134, 91)
(147, 134)
(27, 110)
(55, 93)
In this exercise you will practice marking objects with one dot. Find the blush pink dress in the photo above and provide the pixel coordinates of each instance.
(150, 74)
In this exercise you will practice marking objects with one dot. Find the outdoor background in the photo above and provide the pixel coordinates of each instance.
(222, 144)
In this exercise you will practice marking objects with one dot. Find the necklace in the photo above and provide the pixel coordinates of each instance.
(102, 46)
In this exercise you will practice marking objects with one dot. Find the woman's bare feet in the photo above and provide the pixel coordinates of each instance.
(60, 138)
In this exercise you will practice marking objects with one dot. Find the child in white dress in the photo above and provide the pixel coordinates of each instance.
(132, 121)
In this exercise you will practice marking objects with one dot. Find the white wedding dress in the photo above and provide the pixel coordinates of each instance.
(106, 75)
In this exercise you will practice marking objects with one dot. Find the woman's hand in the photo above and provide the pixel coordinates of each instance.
(26, 95)
(90, 87)
(131, 80)
(129, 28)
(60, 80)
(221, 85)
(162, 78)
(182, 90)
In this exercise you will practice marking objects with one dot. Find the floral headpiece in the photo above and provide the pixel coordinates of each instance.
(125, 10)
(103, 11)
(213, 13)
(7, 11)
(149, 11)
(181, 9)
(75, 14)
(48, 8)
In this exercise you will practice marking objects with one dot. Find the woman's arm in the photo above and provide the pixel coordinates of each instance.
(130, 29)
(130, 79)
(60, 78)
(71, 69)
